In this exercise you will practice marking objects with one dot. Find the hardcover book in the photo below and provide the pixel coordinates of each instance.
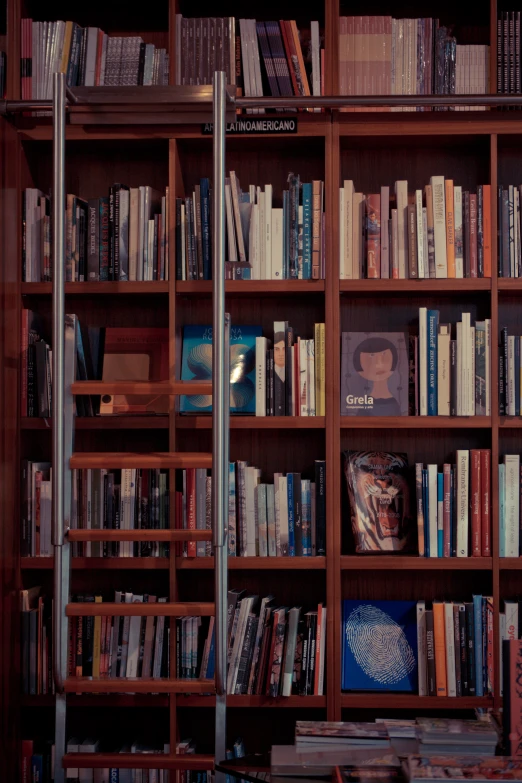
(379, 647)
(379, 495)
(196, 364)
(374, 374)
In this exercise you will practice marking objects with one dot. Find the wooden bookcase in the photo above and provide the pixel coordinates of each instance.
(371, 148)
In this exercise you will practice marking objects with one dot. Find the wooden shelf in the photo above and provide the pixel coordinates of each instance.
(245, 702)
(99, 563)
(509, 284)
(107, 609)
(252, 287)
(415, 422)
(510, 563)
(254, 563)
(510, 422)
(99, 289)
(441, 286)
(128, 459)
(137, 761)
(159, 422)
(473, 123)
(254, 422)
(406, 701)
(141, 387)
(136, 685)
(413, 563)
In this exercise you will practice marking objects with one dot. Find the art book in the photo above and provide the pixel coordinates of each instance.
(379, 497)
(379, 646)
(374, 374)
(196, 364)
(340, 732)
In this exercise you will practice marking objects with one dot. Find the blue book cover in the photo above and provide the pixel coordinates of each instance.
(501, 515)
(426, 512)
(477, 623)
(440, 526)
(204, 190)
(114, 775)
(291, 518)
(433, 328)
(380, 646)
(307, 230)
(196, 364)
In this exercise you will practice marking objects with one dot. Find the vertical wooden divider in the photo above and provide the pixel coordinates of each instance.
(331, 37)
(495, 528)
(333, 447)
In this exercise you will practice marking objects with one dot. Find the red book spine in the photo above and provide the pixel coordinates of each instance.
(485, 479)
(490, 645)
(473, 234)
(191, 509)
(27, 752)
(446, 510)
(476, 523)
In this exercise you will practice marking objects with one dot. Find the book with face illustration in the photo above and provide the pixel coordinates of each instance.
(374, 374)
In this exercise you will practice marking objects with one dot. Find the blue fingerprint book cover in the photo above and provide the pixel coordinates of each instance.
(196, 364)
(379, 646)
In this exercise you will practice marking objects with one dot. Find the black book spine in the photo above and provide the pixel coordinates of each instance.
(243, 671)
(31, 380)
(305, 658)
(104, 248)
(141, 66)
(112, 234)
(179, 249)
(467, 249)
(116, 248)
(108, 507)
(41, 376)
(453, 377)
(456, 636)
(480, 230)
(179, 672)
(470, 639)
(82, 243)
(505, 51)
(310, 675)
(298, 516)
(430, 654)
(289, 370)
(33, 652)
(93, 244)
(499, 55)
(506, 669)
(502, 374)
(320, 507)
(272, 383)
(88, 640)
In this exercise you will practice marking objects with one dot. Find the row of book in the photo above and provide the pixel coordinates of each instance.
(87, 56)
(442, 231)
(110, 647)
(195, 648)
(126, 499)
(380, 55)
(290, 377)
(122, 236)
(508, 53)
(509, 231)
(509, 395)
(283, 519)
(36, 642)
(445, 650)
(272, 649)
(260, 58)
(509, 485)
(263, 242)
(37, 763)
(454, 506)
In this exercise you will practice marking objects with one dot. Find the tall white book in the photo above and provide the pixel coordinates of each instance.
(261, 349)
(401, 194)
(459, 235)
(277, 243)
(267, 233)
(133, 652)
(421, 263)
(348, 228)
(439, 226)
(252, 477)
(462, 502)
(512, 504)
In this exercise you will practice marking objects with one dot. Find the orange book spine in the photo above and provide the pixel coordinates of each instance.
(485, 498)
(486, 228)
(191, 509)
(440, 648)
(318, 648)
(450, 228)
(476, 521)
(299, 54)
(288, 52)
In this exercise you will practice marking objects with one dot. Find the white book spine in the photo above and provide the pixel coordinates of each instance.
(268, 233)
(444, 370)
(420, 234)
(450, 649)
(133, 651)
(462, 502)
(459, 256)
(358, 245)
(401, 192)
(459, 367)
(277, 244)
(250, 484)
(423, 361)
(471, 385)
(261, 242)
(277, 509)
(439, 226)
(512, 504)
(261, 345)
(433, 509)
(421, 646)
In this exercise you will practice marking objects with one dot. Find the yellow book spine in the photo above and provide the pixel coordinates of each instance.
(440, 648)
(96, 641)
(66, 47)
(450, 228)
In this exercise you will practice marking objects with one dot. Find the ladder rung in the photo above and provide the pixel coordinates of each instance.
(179, 609)
(137, 761)
(137, 685)
(130, 459)
(140, 535)
(130, 388)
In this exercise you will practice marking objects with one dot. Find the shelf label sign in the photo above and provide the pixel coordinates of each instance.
(254, 127)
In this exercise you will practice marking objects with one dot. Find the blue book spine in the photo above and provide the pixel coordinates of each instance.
(433, 324)
(211, 657)
(425, 511)
(291, 524)
(307, 230)
(37, 768)
(501, 515)
(114, 775)
(517, 376)
(204, 187)
(286, 206)
(477, 623)
(440, 527)
(306, 506)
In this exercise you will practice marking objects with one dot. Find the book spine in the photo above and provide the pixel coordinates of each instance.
(450, 649)
(485, 474)
(478, 649)
(422, 649)
(104, 233)
(475, 499)
(440, 648)
(316, 228)
(430, 653)
(93, 244)
(473, 235)
(433, 324)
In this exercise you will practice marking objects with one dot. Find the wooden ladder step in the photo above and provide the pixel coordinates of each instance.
(108, 609)
(139, 535)
(136, 761)
(142, 387)
(137, 685)
(147, 460)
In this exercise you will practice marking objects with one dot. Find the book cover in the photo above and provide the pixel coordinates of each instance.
(374, 374)
(197, 364)
(379, 495)
(380, 646)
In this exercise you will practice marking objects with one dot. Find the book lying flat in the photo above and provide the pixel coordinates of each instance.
(288, 760)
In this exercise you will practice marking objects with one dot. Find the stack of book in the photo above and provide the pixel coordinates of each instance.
(260, 58)
(481, 768)
(274, 650)
(87, 56)
(441, 736)
(263, 242)
(109, 647)
(442, 231)
(126, 499)
(283, 519)
(509, 486)
(122, 236)
(36, 642)
(508, 52)
(454, 506)
(509, 231)
(446, 650)
(379, 55)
